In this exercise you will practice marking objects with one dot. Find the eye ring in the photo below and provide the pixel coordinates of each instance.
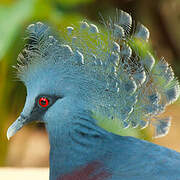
(43, 102)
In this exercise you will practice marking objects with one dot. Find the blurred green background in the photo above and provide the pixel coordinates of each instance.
(30, 146)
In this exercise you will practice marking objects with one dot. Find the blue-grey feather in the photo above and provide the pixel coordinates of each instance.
(109, 64)
(100, 75)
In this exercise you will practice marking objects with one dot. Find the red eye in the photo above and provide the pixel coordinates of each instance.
(43, 102)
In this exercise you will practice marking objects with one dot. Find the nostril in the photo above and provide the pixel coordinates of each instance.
(22, 116)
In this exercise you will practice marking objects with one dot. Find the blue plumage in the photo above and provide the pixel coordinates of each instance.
(90, 79)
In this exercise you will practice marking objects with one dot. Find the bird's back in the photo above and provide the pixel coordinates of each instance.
(133, 159)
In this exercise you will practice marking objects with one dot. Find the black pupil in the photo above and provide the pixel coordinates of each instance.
(43, 102)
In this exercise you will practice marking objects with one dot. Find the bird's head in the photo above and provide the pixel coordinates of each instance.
(53, 88)
(56, 80)
(111, 74)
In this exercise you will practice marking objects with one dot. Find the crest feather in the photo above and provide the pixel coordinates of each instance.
(131, 86)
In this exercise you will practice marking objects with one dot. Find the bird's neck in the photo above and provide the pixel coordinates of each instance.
(76, 144)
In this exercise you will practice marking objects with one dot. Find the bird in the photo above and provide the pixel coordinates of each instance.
(86, 84)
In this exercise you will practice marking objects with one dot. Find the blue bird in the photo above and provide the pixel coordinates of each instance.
(86, 87)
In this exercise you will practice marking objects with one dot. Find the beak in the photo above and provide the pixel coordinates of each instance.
(16, 126)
